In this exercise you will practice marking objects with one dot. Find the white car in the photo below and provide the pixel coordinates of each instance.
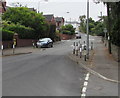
(45, 42)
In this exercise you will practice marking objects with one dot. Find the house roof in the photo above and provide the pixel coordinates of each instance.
(49, 17)
(58, 19)
(32, 9)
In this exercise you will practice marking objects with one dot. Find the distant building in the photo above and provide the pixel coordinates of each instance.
(50, 18)
(59, 22)
(32, 9)
(2, 6)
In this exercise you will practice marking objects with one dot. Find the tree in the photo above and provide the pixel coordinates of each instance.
(24, 16)
(113, 17)
(68, 29)
(82, 23)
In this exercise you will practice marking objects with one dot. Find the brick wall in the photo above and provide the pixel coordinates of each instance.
(66, 36)
(20, 43)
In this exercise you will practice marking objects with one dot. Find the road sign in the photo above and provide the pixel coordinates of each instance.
(105, 30)
(14, 41)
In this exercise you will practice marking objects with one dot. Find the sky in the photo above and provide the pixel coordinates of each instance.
(60, 8)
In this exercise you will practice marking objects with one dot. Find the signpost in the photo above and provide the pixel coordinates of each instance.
(14, 44)
(105, 31)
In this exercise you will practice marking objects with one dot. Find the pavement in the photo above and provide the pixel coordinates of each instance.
(22, 50)
(103, 69)
(100, 63)
(19, 51)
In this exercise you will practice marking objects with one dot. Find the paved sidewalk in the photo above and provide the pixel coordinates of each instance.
(23, 50)
(103, 71)
(101, 63)
(20, 50)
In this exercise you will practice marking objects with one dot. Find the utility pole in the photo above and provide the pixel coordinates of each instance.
(87, 29)
(109, 26)
(38, 6)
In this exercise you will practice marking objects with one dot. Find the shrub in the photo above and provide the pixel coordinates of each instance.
(67, 32)
(23, 32)
(7, 35)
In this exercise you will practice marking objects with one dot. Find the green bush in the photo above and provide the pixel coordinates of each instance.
(67, 29)
(67, 32)
(23, 32)
(7, 35)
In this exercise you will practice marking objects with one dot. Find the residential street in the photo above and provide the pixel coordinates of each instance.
(45, 73)
(51, 72)
(56, 48)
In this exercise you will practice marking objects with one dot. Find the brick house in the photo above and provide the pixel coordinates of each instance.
(2, 6)
(50, 18)
(59, 22)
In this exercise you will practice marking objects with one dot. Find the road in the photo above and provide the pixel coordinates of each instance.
(46, 73)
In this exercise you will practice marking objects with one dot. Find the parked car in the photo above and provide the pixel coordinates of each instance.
(45, 42)
(78, 36)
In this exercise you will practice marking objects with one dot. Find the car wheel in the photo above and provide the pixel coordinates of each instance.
(49, 45)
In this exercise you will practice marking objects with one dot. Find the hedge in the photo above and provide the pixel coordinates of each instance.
(7, 35)
(23, 32)
(67, 32)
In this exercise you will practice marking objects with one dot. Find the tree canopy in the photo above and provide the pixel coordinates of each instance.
(24, 16)
(68, 29)
(113, 20)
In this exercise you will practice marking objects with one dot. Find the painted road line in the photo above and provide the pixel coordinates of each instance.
(85, 83)
(84, 89)
(88, 74)
(83, 95)
(86, 78)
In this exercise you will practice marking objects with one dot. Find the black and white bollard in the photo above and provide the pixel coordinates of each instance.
(13, 49)
(2, 49)
(33, 45)
(80, 50)
(77, 48)
(91, 45)
(85, 53)
(74, 48)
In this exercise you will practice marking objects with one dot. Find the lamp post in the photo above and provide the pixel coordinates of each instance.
(87, 29)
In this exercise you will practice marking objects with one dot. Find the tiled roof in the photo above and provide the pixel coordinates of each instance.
(48, 17)
(58, 18)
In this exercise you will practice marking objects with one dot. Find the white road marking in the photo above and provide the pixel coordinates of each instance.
(87, 76)
(84, 89)
(83, 95)
(85, 85)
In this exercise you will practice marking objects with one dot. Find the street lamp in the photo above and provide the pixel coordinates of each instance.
(88, 29)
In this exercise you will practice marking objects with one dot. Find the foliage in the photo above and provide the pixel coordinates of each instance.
(67, 29)
(95, 27)
(23, 32)
(82, 24)
(27, 18)
(6, 34)
(52, 31)
(113, 17)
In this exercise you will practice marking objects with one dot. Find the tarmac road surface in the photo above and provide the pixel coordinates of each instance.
(46, 73)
